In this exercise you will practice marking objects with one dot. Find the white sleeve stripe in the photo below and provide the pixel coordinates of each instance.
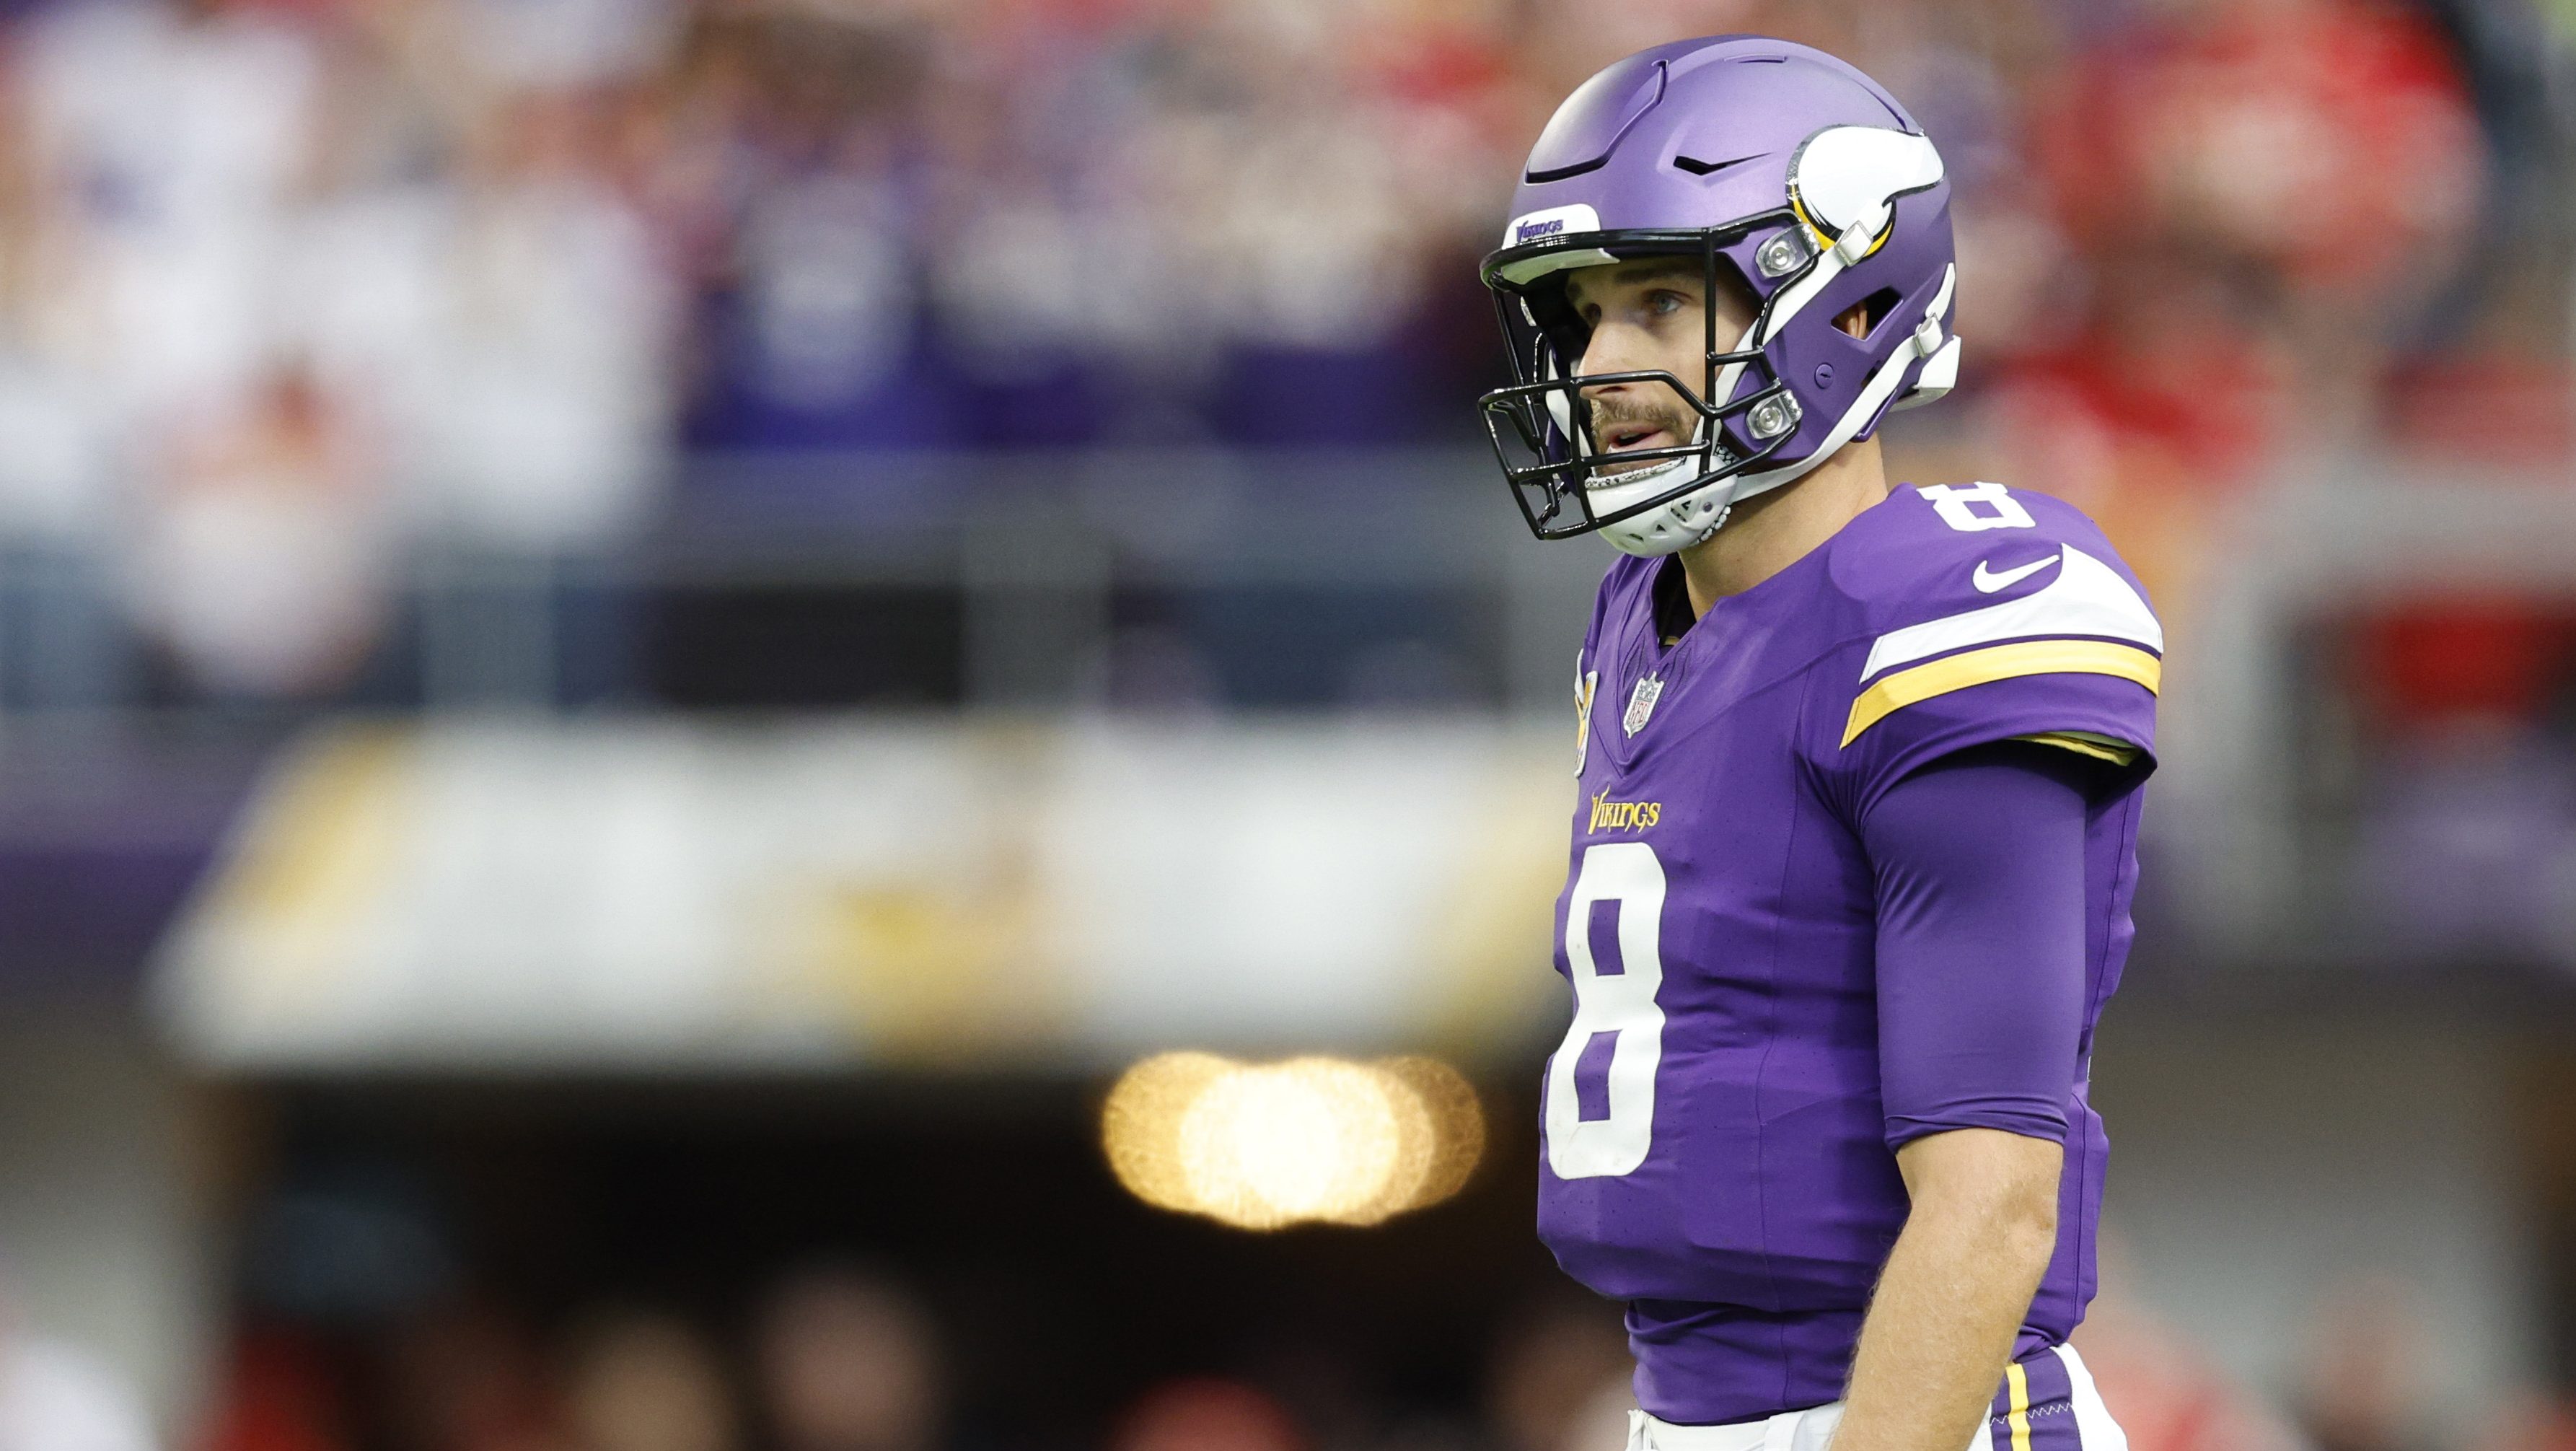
(2088, 597)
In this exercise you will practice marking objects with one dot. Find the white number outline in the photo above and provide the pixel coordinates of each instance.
(1623, 1003)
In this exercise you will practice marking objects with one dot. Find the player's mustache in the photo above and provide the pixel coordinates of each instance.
(1614, 411)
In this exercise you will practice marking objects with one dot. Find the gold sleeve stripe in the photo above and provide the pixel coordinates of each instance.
(2082, 743)
(1894, 692)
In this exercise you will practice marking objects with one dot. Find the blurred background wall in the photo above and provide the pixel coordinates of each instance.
(642, 642)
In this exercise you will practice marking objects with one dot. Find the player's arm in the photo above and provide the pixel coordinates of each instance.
(1980, 866)
(1941, 1327)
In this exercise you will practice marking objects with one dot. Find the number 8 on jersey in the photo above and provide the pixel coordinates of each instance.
(1601, 1083)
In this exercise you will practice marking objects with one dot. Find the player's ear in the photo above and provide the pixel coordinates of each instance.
(1855, 319)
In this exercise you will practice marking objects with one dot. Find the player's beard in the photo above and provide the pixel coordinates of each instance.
(1614, 412)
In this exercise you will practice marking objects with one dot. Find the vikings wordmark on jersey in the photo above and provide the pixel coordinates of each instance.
(1716, 1150)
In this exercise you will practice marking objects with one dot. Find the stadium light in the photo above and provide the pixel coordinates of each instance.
(1309, 1140)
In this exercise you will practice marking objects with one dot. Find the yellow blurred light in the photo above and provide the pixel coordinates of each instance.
(1449, 1130)
(1141, 1124)
(1311, 1138)
(1263, 1146)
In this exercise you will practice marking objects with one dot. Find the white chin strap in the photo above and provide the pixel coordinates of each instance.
(1675, 526)
(1698, 514)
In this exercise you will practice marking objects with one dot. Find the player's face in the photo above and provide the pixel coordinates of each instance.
(1645, 315)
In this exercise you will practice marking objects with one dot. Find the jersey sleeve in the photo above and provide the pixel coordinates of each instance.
(1979, 861)
(2008, 617)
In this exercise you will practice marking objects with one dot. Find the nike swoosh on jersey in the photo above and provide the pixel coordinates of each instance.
(1988, 583)
(2087, 597)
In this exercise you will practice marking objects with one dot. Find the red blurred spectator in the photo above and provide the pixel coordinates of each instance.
(2164, 1393)
(2438, 663)
(1206, 1415)
(2162, 409)
(277, 1396)
(469, 1378)
(2264, 189)
(2329, 138)
(2503, 393)
(2487, 407)
(2365, 1386)
(2530, 1422)
(2166, 386)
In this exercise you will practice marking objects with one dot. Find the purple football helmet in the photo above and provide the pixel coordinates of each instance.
(1779, 168)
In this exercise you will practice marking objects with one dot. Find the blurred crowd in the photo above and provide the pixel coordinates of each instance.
(840, 1360)
(843, 1359)
(289, 286)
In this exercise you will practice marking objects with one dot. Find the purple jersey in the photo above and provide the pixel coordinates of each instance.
(1718, 1151)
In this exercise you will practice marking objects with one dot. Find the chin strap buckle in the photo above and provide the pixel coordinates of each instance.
(1939, 352)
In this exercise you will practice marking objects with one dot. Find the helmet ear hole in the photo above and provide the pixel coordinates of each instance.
(1870, 313)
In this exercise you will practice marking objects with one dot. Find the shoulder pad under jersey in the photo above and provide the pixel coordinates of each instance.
(1982, 613)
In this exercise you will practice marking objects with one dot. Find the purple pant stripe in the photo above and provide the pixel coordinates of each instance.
(2049, 1380)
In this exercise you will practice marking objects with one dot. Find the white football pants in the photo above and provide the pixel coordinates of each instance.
(2043, 1407)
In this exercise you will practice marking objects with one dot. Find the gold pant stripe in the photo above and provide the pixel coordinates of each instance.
(2019, 1421)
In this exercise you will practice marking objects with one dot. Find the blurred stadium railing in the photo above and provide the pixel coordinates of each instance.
(2363, 739)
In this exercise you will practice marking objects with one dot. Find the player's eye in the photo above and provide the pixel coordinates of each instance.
(1664, 302)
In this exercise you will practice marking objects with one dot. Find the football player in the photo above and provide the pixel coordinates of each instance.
(1861, 771)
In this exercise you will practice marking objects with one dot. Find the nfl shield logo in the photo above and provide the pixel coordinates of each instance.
(1641, 703)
